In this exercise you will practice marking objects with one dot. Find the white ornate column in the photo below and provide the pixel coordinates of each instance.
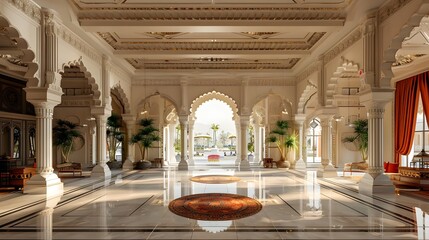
(45, 181)
(101, 169)
(171, 150)
(130, 122)
(183, 165)
(244, 125)
(300, 164)
(237, 143)
(44, 98)
(374, 181)
(191, 142)
(326, 170)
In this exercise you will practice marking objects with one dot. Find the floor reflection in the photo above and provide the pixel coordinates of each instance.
(214, 226)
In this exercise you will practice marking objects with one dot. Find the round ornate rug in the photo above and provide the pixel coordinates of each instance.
(215, 179)
(215, 206)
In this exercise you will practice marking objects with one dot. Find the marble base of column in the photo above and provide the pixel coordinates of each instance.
(327, 172)
(47, 184)
(244, 165)
(128, 165)
(191, 162)
(300, 165)
(237, 161)
(183, 165)
(380, 184)
(101, 171)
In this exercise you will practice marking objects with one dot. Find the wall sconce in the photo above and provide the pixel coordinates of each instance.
(285, 112)
(143, 113)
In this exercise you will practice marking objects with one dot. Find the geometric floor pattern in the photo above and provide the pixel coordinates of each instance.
(134, 205)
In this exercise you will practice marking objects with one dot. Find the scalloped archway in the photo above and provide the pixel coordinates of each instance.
(348, 71)
(16, 57)
(76, 70)
(309, 92)
(214, 95)
(396, 43)
(120, 94)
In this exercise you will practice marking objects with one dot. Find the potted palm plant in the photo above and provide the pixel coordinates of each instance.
(65, 133)
(360, 137)
(284, 142)
(144, 138)
(114, 139)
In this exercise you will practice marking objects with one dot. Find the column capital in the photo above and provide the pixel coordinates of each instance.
(129, 118)
(244, 119)
(183, 119)
(43, 96)
(101, 111)
(377, 98)
(300, 119)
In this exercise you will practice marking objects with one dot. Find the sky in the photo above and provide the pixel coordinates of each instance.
(217, 112)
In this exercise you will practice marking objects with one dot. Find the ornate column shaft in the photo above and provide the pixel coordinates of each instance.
(130, 122)
(300, 163)
(321, 87)
(237, 143)
(105, 76)
(326, 170)
(101, 169)
(191, 142)
(369, 52)
(49, 40)
(325, 144)
(171, 150)
(257, 146)
(244, 125)
(183, 165)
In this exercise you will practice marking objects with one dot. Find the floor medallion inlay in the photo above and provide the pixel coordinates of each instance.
(215, 206)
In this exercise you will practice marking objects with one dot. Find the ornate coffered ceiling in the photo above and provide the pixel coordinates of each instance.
(212, 34)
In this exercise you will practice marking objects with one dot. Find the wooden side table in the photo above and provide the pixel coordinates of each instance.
(18, 177)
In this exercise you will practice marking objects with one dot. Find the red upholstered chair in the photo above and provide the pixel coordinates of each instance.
(386, 165)
(393, 168)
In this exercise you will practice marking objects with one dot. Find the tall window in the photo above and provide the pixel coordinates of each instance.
(313, 142)
(421, 131)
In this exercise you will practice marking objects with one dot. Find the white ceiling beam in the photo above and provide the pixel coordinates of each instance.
(180, 54)
(211, 26)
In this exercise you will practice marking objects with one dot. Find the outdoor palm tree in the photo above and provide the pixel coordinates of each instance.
(284, 141)
(214, 127)
(64, 134)
(360, 138)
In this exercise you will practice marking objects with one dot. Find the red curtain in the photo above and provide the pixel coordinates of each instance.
(424, 90)
(406, 107)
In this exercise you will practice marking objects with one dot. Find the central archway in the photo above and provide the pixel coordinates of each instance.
(213, 148)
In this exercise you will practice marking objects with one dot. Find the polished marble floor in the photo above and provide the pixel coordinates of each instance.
(134, 205)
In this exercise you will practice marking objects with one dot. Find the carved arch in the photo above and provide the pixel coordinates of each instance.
(76, 70)
(144, 100)
(348, 71)
(120, 94)
(214, 95)
(308, 92)
(16, 57)
(396, 43)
